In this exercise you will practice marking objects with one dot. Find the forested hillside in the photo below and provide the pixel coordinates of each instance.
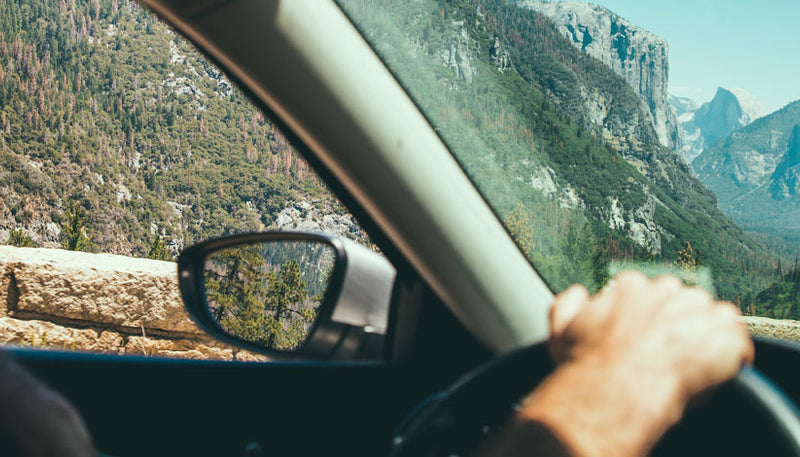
(116, 134)
(559, 144)
(781, 300)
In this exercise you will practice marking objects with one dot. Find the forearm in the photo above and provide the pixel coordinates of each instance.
(587, 408)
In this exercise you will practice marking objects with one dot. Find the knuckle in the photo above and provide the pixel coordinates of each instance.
(630, 277)
(728, 311)
(668, 282)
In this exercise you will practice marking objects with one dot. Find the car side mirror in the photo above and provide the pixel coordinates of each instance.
(290, 294)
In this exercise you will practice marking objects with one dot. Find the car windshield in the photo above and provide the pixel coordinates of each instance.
(563, 116)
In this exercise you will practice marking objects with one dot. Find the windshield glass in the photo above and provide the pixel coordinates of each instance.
(563, 116)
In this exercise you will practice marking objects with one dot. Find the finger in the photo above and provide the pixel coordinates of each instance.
(690, 300)
(566, 306)
(750, 352)
(628, 277)
(667, 283)
(745, 342)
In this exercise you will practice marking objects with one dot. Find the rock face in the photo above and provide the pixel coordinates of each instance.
(785, 181)
(307, 216)
(98, 302)
(727, 112)
(635, 54)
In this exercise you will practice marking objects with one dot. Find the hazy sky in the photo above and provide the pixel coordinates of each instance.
(751, 44)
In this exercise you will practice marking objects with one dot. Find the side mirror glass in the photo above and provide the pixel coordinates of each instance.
(269, 293)
(290, 294)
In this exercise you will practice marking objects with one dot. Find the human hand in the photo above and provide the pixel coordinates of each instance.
(628, 360)
(652, 329)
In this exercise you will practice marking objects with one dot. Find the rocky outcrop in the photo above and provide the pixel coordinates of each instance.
(785, 181)
(457, 54)
(314, 216)
(99, 302)
(635, 54)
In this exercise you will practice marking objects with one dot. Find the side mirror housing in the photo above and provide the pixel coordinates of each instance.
(296, 295)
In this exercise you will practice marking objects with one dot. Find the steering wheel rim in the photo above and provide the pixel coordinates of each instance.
(438, 425)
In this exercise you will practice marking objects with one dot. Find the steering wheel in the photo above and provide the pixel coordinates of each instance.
(454, 422)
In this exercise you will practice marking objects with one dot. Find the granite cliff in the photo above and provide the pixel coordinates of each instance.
(633, 53)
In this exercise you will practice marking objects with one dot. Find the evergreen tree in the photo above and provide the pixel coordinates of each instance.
(286, 314)
(254, 302)
(519, 226)
(600, 273)
(158, 249)
(74, 231)
(686, 256)
(20, 239)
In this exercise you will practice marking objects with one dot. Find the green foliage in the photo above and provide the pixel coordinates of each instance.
(20, 239)
(586, 261)
(107, 108)
(600, 270)
(258, 301)
(781, 300)
(518, 224)
(73, 232)
(159, 250)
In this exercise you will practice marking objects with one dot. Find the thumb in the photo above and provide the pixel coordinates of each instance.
(566, 306)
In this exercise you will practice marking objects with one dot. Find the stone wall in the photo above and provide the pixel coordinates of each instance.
(52, 298)
(781, 329)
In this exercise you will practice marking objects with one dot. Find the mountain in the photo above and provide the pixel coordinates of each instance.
(754, 172)
(728, 111)
(107, 116)
(692, 140)
(683, 106)
(561, 146)
(633, 53)
(115, 128)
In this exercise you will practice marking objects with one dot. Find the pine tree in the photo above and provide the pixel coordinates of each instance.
(600, 272)
(686, 256)
(74, 231)
(20, 239)
(286, 295)
(257, 304)
(159, 250)
(518, 224)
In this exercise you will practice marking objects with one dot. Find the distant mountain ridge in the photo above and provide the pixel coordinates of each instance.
(754, 172)
(728, 111)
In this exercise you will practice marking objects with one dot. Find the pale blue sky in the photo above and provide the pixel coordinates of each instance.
(751, 44)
